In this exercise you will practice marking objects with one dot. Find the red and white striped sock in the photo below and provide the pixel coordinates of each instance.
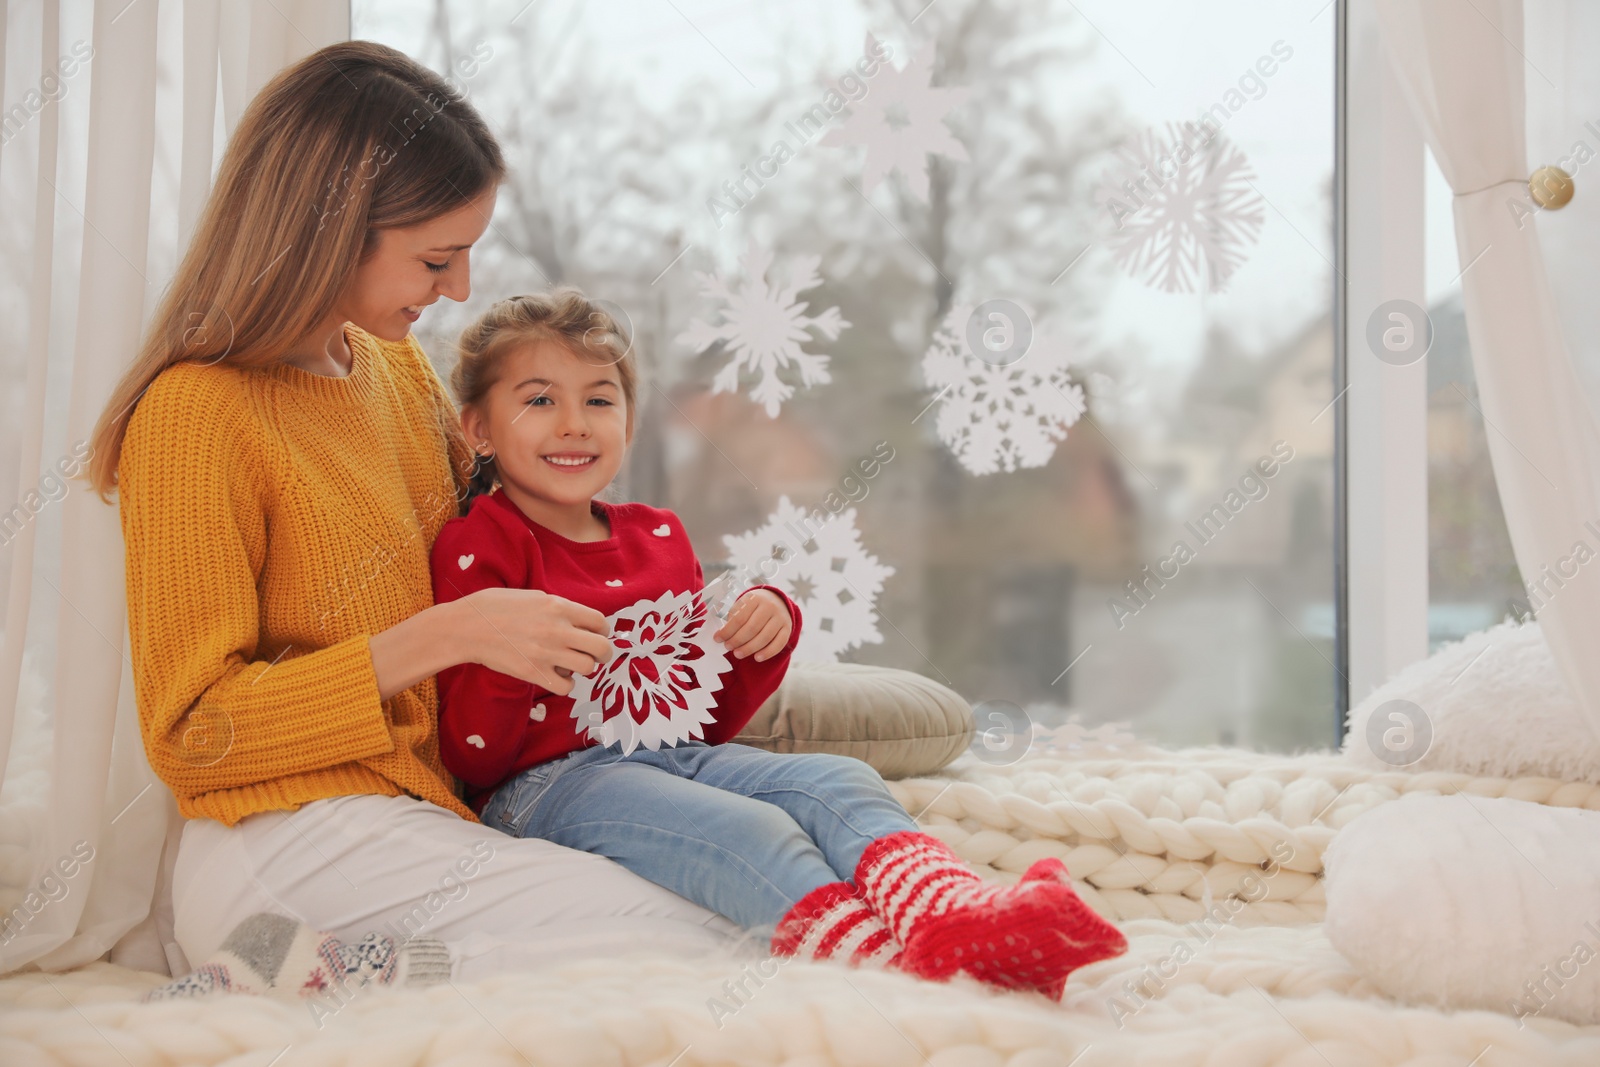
(1031, 935)
(833, 922)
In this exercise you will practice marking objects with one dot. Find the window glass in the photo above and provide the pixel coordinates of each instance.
(1004, 328)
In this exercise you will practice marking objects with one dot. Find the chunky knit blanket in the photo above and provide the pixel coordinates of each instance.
(1211, 860)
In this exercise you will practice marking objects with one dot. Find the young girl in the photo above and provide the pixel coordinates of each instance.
(626, 754)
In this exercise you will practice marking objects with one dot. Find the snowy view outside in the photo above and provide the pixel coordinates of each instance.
(1006, 325)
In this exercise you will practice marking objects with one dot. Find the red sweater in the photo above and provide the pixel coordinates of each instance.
(493, 726)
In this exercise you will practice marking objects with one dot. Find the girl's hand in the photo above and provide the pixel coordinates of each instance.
(759, 624)
(534, 635)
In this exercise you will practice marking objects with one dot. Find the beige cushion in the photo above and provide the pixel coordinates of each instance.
(899, 722)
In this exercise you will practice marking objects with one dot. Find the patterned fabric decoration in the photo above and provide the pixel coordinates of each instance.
(834, 922)
(207, 978)
(1031, 935)
(274, 954)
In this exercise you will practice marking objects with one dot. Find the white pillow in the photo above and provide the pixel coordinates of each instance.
(1471, 902)
(1493, 704)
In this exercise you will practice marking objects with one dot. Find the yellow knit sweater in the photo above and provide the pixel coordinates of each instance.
(274, 519)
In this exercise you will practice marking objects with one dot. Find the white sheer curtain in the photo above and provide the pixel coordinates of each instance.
(1559, 40)
(1466, 74)
(111, 130)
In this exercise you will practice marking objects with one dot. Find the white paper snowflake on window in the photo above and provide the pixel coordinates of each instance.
(901, 121)
(1006, 411)
(1182, 207)
(830, 575)
(764, 325)
(659, 687)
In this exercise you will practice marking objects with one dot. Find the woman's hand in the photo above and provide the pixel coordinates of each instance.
(759, 624)
(536, 636)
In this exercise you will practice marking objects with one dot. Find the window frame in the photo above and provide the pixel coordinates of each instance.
(1381, 437)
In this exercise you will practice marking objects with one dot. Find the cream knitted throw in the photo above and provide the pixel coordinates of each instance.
(1212, 857)
(1152, 836)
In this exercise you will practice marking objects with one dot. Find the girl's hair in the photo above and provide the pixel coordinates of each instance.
(352, 139)
(563, 315)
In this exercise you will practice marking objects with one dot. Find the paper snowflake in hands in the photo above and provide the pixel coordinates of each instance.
(1000, 410)
(830, 575)
(1184, 208)
(658, 688)
(901, 121)
(764, 325)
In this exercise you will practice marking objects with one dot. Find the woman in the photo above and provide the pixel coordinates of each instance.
(285, 456)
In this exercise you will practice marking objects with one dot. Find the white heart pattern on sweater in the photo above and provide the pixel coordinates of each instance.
(475, 740)
(466, 561)
(536, 713)
(614, 582)
(662, 531)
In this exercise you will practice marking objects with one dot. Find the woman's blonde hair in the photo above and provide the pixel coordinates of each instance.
(353, 139)
(563, 315)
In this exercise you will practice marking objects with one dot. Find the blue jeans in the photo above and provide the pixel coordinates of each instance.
(739, 830)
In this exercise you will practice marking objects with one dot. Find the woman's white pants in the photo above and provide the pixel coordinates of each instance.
(355, 864)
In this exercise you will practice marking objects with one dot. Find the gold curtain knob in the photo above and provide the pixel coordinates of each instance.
(1551, 188)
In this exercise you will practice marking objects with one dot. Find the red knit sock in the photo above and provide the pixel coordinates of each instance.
(1027, 936)
(833, 922)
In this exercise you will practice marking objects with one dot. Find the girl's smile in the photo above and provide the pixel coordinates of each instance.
(571, 460)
